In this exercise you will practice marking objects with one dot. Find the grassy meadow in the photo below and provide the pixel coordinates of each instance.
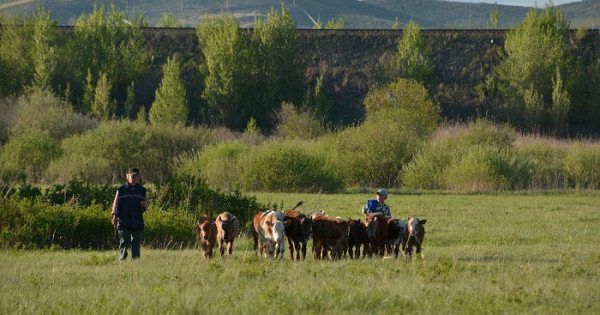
(483, 254)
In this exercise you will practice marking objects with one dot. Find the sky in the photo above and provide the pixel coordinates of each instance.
(524, 3)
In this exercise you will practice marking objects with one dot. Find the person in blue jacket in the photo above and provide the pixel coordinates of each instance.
(128, 214)
(378, 204)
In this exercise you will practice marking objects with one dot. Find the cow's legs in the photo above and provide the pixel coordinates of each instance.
(291, 245)
(304, 250)
(230, 248)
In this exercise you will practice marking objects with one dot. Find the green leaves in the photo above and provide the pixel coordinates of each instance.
(250, 76)
(106, 41)
(170, 105)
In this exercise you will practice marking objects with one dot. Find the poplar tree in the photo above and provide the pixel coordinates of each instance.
(280, 64)
(535, 50)
(228, 70)
(103, 106)
(107, 41)
(170, 105)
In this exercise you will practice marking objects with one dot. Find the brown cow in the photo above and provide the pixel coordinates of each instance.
(328, 236)
(376, 226)
(397, 234)
(357, 237)
(228, 227)
(416, 234)
(298, 228)
(269, 234)
(207, 232)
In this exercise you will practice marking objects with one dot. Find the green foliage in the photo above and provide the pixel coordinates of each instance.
(169, 20)
(407, 97)
(297, 125)
(480, 169)
(27, 156)
(103, 106)
(523, 74)
(543, 164)
(227, 68)
(27, 52)
(318, 101)
(582, 166)
(192, 195)
(494, 17)
(534, 111)
(35, 224)
(170, 105)
(289, 166)
(478, 158)
(45, 56)
(9, 109)
(40, 111)
(332, 24)
(412, 59)
(104, 154)
(129, 105)
(220, 165)
(281, 68)
(107, 42)
(560, 106)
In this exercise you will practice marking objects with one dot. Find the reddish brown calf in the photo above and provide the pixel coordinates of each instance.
(376, 226)
(207, 232)
(228, 227)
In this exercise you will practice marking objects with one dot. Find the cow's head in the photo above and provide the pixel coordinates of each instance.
(415, 226)
(371, 226)
(206, 229)
(227, 226)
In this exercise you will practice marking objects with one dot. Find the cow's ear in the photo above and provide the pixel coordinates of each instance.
(423, 221)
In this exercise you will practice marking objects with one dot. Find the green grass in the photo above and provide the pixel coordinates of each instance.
(483, 254)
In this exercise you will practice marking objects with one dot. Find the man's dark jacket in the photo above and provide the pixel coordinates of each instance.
(128, 208)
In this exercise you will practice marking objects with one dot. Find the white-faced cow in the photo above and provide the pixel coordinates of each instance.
(269, 234)
(228, 227)
(416, 235)
(376, 226)
(207, 232)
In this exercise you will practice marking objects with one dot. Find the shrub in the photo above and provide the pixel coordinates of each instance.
(41, 111)
(103, 155)
(409, 99)
(8, 114)
(34, 224)
(192, 196)
(444, 161)
(481, 169)
(27, 156)
(220, 164)
(582, 166)
(542, 164)
(289, 167)
(297, 125)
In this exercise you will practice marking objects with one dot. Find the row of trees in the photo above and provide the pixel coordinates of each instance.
(539, 84)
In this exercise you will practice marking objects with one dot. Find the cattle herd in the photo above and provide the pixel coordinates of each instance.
(332, 237)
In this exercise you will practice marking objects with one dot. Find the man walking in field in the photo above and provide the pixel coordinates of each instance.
(128, 214)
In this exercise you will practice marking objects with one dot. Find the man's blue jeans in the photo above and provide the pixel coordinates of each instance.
(130, 237)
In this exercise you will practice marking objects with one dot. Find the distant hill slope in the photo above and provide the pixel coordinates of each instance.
(359, 14)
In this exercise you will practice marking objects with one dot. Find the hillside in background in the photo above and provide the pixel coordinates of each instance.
(363, 14)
